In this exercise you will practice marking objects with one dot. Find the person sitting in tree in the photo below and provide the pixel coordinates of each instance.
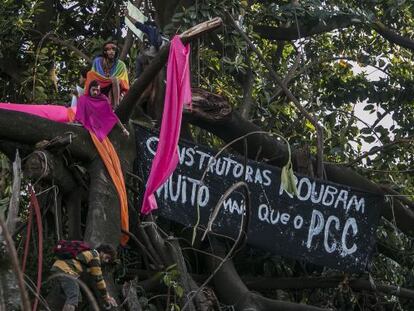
(87, 261)
(95, 113)
(110, 72)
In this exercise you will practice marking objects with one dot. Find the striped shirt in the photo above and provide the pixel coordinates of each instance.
(88, 260)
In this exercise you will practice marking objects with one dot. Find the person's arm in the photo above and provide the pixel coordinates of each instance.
(123, 128)
(92, 261)
(141, 26)
(152, 31)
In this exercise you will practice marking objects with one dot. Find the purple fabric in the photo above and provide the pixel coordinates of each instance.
(177, 93)
(96, 115)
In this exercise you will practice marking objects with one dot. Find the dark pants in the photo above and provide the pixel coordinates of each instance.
(68, 287)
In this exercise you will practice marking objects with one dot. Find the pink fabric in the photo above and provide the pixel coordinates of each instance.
(96, 115)
(51, 112)
(178, 93)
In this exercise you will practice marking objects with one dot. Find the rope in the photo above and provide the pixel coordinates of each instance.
(35, 204)
(55, 191)
(45, 190)
(45, 169)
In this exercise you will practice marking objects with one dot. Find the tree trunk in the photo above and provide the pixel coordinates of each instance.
(232, 291)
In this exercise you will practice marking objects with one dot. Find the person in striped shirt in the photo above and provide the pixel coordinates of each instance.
(87, 261)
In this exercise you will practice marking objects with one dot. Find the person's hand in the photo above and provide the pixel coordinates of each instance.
(110, 301)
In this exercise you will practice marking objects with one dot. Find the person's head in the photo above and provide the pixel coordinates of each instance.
(82, 75)
(107, 253)
(110, 50)
(94, 89)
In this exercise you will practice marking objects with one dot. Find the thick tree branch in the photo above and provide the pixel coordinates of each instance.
(70, 17)
(328, 25)
(306, 30)
(247, 89)
(393, 37)
(42, 164)
(29, 129)
(46, 15)
(328, 282)
(398, 195)
(11, 68)
(401, 257)
(128, 42)
(71, 47)
(103, 224)
(66, 43)
(374, 150)
(231, 290)
(234, 126)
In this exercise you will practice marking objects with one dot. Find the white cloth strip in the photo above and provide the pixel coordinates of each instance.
(134, 29)
(135, 13)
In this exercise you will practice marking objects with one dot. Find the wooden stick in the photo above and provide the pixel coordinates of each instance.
(15, 198)
(15, 265)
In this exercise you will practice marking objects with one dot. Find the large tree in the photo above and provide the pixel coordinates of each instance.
(333, 78)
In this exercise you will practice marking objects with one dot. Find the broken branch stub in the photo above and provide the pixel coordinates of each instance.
(202, 28)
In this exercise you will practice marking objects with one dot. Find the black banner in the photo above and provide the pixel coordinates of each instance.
(327, 224)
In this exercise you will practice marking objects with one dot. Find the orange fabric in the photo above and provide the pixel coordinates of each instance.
(92, 75)
(111, 160)
(104, 82)
(71, 115)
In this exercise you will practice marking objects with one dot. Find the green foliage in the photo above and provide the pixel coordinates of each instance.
(170, 278)
(357, 83)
